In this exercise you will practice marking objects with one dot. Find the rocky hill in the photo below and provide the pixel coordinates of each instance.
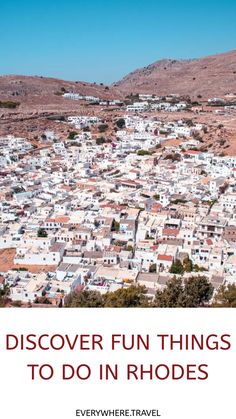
(208, 77)
(36, 94)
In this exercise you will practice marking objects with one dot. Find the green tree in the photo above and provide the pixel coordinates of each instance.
(225, 296)
(187, 264)
(91, 299)
(198, 268)
(42, 300)
(100, 140)
(64, 90)
(153, 267)
(102, 127)
(133, 296)
(143, 153)
(197, 292)
(42, 232)
(193, 292)
(2, 302)
(72, 135)
(120, 123)
(115, 225)
(4, 299)
(174, 157)
(129, 248)
(9, 104)
(178, 201)
(177, 268)
(171, 296)
(16, 304)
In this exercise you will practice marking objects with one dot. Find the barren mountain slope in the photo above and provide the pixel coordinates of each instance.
(36, 94)
(207, 76)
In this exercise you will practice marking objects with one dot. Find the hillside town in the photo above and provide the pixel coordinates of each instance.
(129, 199)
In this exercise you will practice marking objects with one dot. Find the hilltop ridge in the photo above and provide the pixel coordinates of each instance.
(208, 76)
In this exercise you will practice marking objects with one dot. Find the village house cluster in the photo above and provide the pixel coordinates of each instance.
(101, 214)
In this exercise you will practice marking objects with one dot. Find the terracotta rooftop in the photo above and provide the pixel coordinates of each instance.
(165, 257)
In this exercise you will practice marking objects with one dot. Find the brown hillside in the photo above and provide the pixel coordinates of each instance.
(37, 94)
(208, 76)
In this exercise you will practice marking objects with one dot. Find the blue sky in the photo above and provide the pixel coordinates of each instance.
(102, 40)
